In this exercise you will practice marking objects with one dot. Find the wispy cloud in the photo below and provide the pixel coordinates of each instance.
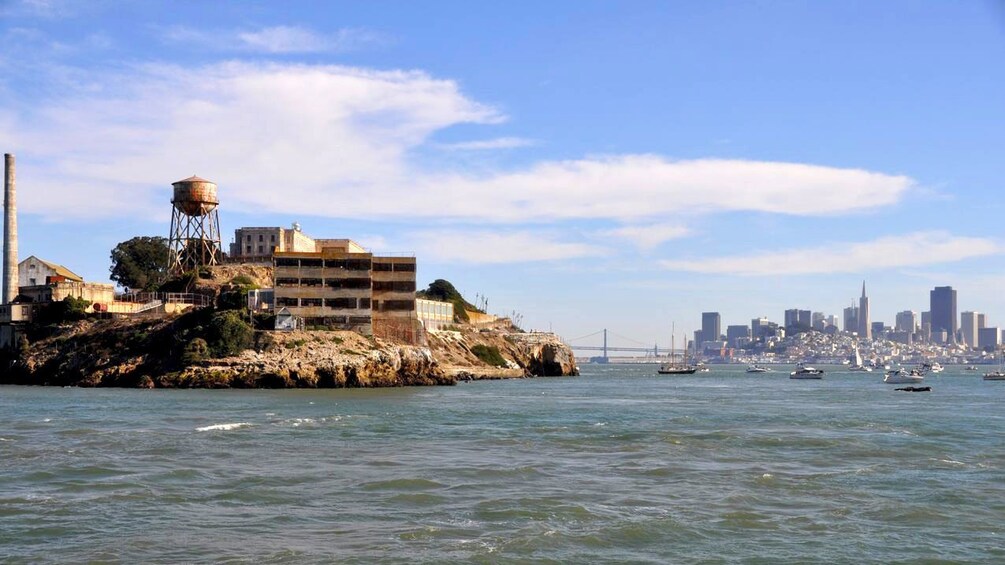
(914, 249)
(484, 246)
(649, 236)
(276, 39)
(339, 142)
(488, 144)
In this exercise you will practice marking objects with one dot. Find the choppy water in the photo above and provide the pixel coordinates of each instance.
(615, 466)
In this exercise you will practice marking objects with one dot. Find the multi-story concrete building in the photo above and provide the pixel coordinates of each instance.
(340, 288)
(969, 327)
(435, 315)
(758, 328)
(259, 243)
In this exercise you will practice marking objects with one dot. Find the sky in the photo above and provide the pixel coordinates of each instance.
(586, 165)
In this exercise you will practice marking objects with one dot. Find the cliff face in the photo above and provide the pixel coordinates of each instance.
(147, 354)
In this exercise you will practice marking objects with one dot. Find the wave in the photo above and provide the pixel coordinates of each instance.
(224, 427)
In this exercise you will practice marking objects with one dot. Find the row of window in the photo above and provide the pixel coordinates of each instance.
(337, 321)
(346, 264)
(395, 267)
(336, 284)
(334, 303)
(272, 238)
(394, 305)
(394, 286)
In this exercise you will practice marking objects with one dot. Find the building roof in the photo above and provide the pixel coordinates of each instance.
(194, 178)
(59, 269)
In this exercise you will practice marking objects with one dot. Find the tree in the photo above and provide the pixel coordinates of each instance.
(140, 263)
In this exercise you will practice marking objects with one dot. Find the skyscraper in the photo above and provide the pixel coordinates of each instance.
(734, 334)
(942, 300)
(711, 328)
(907, 321)
(969, 325)
(851, 319)
(864, 329)
(758, 327)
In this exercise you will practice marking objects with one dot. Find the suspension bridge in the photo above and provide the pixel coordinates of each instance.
(589, 342)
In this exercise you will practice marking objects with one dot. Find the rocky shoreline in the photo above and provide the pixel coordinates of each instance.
(140, 354)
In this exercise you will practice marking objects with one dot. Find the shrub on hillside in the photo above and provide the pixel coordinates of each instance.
(489, 354)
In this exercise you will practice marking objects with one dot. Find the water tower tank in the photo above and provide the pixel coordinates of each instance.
(195, 196)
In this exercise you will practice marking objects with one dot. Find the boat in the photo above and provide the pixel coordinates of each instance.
(999, 373)
(858, 367)
(805, 372)
(674, 367)
(970, 368)
(703, 369)
(932, 367)
(755, 368)
(900, 377)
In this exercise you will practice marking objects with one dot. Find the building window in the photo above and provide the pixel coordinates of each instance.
(312, 302)
(394, 286)
(385, 267)
(404, 267)
(260, 238)
(261, 250)
(342, 303)
(364, 303)
(248, 248)
(272, 238)
(286, 301)
(287, 282)
(249, 237)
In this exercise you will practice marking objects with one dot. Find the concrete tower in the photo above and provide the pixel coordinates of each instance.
(10, 280)
(864, 327)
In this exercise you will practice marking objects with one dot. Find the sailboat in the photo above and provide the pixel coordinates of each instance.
(674, 367)
(999, 373)
(858, 366)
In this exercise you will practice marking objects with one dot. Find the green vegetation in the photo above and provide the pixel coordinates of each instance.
(443, 291)
(70, 309)
(228, 334)
(140, 263)
(195, 351)
(489, 354)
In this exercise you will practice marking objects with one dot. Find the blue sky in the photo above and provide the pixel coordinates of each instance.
(587, 164)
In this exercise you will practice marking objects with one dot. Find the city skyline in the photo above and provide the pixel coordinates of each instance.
(596, 165)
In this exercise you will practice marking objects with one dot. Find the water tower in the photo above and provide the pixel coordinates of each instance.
(195, 225)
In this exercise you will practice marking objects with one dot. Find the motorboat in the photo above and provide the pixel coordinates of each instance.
(970, 368)
(901, 377)
(755, 368)
(933, 367)
(995, 376)
(806, 372)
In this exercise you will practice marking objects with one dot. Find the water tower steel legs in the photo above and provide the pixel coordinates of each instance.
(194, 241)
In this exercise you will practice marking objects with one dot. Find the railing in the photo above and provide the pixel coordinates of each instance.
(197, 300)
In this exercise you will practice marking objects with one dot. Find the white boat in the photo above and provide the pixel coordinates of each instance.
(805, 372)
(674, 367)
(755, 368)
(858, 367)
(999, 373)
(900, 377)
(932, 367)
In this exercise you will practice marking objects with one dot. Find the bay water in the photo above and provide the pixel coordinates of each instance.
(616, 466)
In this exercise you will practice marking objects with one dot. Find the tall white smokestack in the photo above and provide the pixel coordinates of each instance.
(10, 280)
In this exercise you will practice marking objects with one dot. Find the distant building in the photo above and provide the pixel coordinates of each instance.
(969, 326)
(989, 339)
(433, 314)
(758, 328)
(736, 333)
(901, 337)
(943, 307)
(851, 319)
(877, 329)
(711, 326)
(907, 321)
(982, 320)
(864, 326)
(34, 271)
(818, 321)
(259, 243)
(926, 326)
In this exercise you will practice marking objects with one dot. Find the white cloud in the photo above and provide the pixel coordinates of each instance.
(482, 246)
(914, 249)
(341, 142)
(276, 39)
(484, 144)
(647, 237)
